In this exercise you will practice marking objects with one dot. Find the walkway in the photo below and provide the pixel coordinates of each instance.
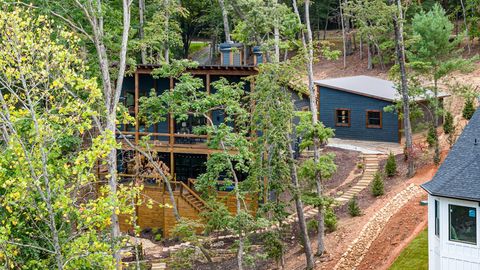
(371, 163)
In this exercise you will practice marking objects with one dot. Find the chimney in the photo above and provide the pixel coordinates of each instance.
(257, 55)
(231, 54)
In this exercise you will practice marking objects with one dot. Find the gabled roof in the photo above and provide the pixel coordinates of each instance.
(366, 86)
(459, 175)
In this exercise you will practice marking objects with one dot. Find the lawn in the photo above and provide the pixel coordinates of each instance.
(415, 255)
(196, 46)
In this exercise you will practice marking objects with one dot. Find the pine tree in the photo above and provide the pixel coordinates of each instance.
(378, 188)
(353, 207)
(448, 124)
(468, 109)
(391, 165)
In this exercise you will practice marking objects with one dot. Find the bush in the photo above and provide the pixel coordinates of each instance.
(468, 109)
(353, 207)
(312, 225)
(448, 124)
(391, 165)
(158, 237)
(330, 220)
(378, 187)
(432, 136)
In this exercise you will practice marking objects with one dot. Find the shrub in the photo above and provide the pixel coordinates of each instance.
(353, 207)
(391, 165)
(448, 124)
(377, 186)
(432, 136)
(468, 109)
(330, 220)
(312, 225)
(158, 237)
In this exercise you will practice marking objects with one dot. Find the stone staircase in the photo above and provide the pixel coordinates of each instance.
(371, 163)
(159, 266)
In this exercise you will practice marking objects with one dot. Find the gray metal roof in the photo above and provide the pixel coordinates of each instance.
(366, 86)
(459, 175)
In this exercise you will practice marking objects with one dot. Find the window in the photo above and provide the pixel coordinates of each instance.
(374, 119)
(437, 218)
(463, 224)
(342, 117)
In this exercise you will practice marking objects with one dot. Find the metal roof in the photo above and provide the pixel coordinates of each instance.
(459, 175)
(366, 86)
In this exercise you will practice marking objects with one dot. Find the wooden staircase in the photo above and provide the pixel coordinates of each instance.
(190, 195)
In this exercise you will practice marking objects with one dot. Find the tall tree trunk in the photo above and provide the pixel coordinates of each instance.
(167, 28)
(466, 25)
(316, 142)
(344, 38)
(141, 33)
(346, 25)
(309, 49)
(400, 48)
(299, 208)
(361, 47)
(369, 56)
(226, 26)
(436, 157)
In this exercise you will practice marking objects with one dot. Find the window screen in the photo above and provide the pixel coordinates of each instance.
(374, 119)
(342, 117)
(437, 218)
(463, 224)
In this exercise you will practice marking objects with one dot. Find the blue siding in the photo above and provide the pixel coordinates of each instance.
(331, 99)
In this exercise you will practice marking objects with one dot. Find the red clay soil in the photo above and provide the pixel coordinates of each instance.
(399, 231)
(349, 228)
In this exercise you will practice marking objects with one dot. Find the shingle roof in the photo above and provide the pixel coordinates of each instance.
(459, 175)
(366, 86)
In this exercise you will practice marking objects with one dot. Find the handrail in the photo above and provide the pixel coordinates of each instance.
(193, 193)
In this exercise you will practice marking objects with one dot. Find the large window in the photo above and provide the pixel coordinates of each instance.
(437, 218)
(342, 117)
(374, 119)
(462, 224)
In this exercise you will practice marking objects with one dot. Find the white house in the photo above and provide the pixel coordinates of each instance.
(454, 205)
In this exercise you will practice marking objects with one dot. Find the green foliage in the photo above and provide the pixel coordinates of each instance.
(331, 219)
(391, 165)
(448, 124)
(378, 185)
(273, 245)
(353, 207)
(468, 109)
(182, 259)
(46, 103)
(312, 225)
(432, 136)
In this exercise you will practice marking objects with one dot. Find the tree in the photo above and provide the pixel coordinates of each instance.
(400, 50)
(378, 188)
(433, 55)
(448, 124)
(468, 109)
(226, 25)
(391, 165)
(273, 114)
(47, 104)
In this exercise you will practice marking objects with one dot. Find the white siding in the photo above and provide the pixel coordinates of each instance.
(443, 253)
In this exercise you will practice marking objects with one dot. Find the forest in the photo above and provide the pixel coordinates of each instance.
(65, 67)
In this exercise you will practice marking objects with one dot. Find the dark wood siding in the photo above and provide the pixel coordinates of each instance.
(331, 99)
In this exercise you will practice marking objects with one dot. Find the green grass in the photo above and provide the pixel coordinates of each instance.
(415, 255)
(196, 46)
